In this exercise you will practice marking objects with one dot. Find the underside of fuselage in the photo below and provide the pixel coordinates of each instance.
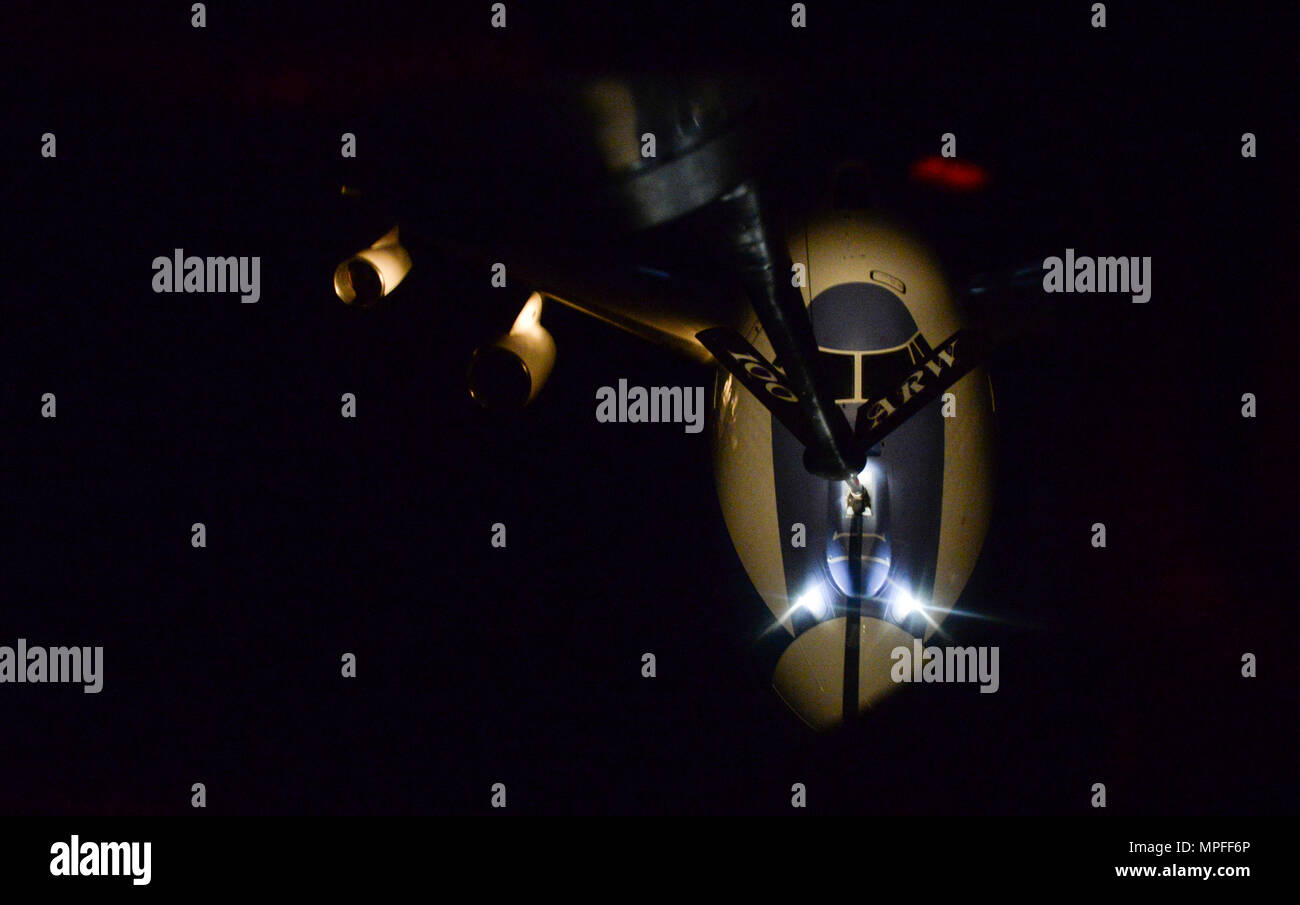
(878, 304)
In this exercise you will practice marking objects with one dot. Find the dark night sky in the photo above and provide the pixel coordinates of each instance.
(522, 666)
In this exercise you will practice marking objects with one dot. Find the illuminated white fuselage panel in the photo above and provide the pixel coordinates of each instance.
(878, 302)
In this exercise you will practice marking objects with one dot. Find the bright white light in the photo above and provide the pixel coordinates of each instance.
(868, 477)
(813, 602)
(905, 604)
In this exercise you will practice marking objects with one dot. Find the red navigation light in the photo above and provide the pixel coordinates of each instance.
(950, 174)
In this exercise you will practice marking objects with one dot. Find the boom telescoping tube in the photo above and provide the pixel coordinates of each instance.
(764, 268)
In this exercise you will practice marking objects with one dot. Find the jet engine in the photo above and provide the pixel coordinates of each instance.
(372, 273)
(508, 373)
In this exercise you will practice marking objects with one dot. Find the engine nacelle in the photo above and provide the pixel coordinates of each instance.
(373, 272)
(508, 373)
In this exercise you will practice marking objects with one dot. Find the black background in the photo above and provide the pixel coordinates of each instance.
(522, 666)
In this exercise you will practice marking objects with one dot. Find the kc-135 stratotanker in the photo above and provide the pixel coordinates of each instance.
(851, 396)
